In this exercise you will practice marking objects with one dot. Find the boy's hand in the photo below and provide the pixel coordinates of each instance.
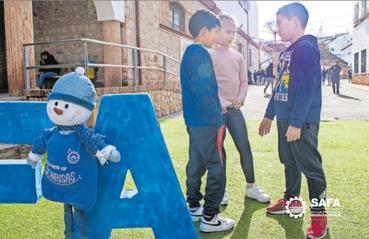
(293, 133)
(265, 126)
(237, 104)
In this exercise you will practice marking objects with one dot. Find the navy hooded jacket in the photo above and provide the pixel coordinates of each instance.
(297, 97)
(200, 100)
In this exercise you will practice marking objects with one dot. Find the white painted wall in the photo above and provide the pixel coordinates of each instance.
(346, 55)
(233, 8)
(360, 41)
(109, 10)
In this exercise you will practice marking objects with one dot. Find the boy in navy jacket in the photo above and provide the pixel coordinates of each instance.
(203, 117)
(296, 102)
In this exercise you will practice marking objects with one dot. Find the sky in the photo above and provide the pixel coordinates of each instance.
(335, 16)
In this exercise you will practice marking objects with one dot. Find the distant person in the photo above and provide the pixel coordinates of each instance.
(349, 75)
(296, 103)
(249, 77)
(255, 77)
(335, 77)
(329, 76)
(324, 74)
(262, 74)
(46, 59)
(269, 78)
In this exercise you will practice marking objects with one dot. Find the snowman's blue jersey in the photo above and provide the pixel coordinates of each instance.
(70, 174)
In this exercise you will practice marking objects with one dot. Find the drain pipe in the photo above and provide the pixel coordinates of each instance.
(138, 38)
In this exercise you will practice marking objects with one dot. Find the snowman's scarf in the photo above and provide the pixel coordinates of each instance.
(91, 141)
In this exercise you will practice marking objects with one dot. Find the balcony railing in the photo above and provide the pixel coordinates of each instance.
(86, 64)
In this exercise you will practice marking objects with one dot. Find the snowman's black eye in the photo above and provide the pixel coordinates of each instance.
(66, 106)
(56, 103)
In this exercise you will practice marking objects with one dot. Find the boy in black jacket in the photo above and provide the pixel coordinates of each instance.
(296, 102)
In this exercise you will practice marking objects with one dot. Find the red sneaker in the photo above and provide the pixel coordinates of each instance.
(317, 228)
(278, 207)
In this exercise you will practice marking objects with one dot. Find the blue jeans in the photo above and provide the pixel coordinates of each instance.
(206, 153)
(74, 217)
(41, 78)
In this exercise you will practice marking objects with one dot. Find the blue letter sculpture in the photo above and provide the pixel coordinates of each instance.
(129, 122)
(19, 123)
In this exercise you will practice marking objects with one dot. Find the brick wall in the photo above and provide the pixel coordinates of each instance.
(64, 19)
(166, 98)
(59, 20)
(362, 79)
(3, 76)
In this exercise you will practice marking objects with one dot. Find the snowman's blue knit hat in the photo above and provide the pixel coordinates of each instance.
(75, 87)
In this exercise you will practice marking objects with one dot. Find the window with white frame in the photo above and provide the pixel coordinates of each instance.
(176, 16)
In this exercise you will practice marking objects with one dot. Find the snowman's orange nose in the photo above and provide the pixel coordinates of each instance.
(58, 111)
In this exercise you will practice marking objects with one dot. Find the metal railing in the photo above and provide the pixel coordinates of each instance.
(86, 64)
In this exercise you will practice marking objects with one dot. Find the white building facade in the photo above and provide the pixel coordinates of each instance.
(360, 43)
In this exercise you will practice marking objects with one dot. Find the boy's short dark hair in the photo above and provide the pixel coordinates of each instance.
(295, 10)
(200, 19)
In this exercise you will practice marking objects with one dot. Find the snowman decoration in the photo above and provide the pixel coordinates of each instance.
(70, 174)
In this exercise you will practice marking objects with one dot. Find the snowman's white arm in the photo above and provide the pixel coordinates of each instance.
(106, 154)
(34, 157)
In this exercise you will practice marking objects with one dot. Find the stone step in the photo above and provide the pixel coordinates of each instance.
(6, 97)
(11, 151)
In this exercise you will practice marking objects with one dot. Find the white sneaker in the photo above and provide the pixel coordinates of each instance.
(217, 224)
(225, 199)
(257, 193)
(196, 213)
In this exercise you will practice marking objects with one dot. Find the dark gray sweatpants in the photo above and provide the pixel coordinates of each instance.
(236, 125)
(302, 156)
(206, 153)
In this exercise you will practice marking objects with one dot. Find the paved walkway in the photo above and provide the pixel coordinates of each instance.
(351, 104)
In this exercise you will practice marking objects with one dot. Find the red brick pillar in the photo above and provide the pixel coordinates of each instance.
(112, 55)
(18, 30)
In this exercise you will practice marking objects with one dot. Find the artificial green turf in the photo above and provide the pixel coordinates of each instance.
(344, 146)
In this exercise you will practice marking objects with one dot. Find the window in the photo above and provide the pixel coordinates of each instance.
(356, 12)
(356, 62)
(363, 8)
(363, 61)
(176, 16)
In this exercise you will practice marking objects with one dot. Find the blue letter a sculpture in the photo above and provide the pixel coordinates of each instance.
(130, 124)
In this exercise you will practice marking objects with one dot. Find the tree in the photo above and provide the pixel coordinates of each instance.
(272, 28)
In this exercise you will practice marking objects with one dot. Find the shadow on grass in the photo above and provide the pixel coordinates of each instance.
(293, 227)
(242, 228)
